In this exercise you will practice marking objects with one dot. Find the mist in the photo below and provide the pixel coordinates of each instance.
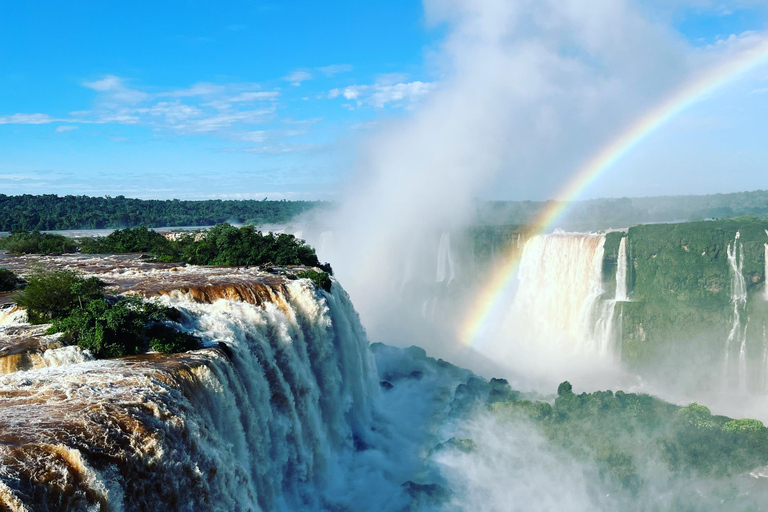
(526, 91)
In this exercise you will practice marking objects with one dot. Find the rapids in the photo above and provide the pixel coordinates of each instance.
(254, 421)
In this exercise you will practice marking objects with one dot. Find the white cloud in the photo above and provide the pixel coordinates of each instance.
(200, 108)
(335, 69)
(255, 136)
(65, 128)
(27, 119)
(108, 83)
(283, 148)
(381, 95)
(297, 77)
(255, 96)
(114, 90)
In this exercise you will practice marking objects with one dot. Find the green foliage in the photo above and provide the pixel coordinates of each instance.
(50, 295)
(8, 280)
(51, 212)
(127, 326)
(679, 282)
(22, 242)
(227, 245)
(128, 240)
(596, 214)
(626, 434)
(107, 326)
(564, 389)
(321, 279)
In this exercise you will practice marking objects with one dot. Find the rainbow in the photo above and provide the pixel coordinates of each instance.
(489, 302)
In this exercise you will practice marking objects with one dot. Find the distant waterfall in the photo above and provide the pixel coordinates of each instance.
(607, 329)
(737, 337)
(325, 244)
(621, 271)
(255, 422)
(446, 271)
(559, 295)
(765, 272)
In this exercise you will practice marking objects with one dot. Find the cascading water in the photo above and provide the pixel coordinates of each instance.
(251, 423)
(558, 298)
(737, 337)
(446, 271)
(621, 271)
(765, 272)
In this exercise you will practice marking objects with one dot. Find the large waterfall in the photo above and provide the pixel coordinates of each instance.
(252, 422)
(559, 295)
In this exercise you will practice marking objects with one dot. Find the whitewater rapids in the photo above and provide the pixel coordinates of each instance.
(251, 422)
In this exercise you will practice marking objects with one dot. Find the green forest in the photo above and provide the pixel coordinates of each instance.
(50, 212)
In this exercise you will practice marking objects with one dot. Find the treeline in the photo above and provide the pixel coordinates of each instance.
(51, 212)
(595, 214)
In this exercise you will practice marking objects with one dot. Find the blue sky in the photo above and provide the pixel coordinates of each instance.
(252, 99)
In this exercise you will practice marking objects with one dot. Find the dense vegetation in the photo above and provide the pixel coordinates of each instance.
(635, 441)
(8, 280)
(51, 212)
(626, 433)
(624, 212)
(107, 326)
(634, 452)
(223, 244)
(321, 279)
(228, 245)
(139, 239)
(680, 285)
(34, 242)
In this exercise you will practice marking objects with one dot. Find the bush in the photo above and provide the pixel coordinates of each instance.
(227, 245)
(107, 326)
(34, 242)
(8, 280)
(320, 279)
(126, 326)
(50, 295)
(138, 239)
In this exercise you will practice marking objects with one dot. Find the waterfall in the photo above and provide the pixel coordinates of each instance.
(765, 271)
(325, 244)
(252, 422)
(738, 333)
(621, 271)
(446, 271)
(558, 300)
(764, 381)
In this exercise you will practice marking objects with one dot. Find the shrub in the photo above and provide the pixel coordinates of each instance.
(126, 326)
(50, 295)
(227, 245)
(138, 239)
(321, 279)
(8, 280)
(34, 242)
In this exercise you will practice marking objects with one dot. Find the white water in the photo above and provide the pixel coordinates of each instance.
(765, 272)
(446, 271)
(558, 298)
(256, 431)
(621, 271)
(737, 337)
(12, 316)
